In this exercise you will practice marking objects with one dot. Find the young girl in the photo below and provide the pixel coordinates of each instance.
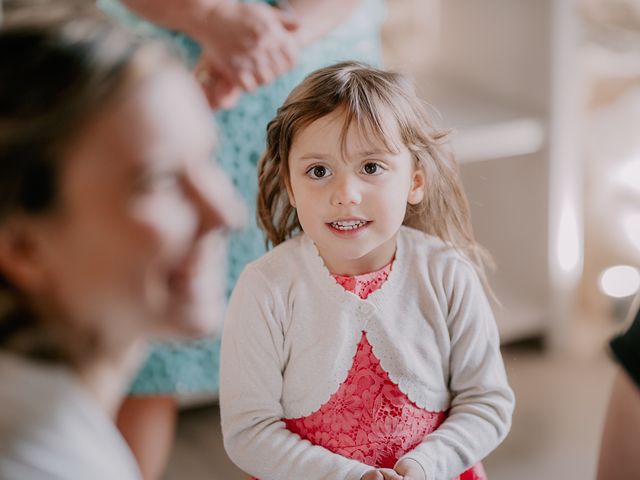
(362, 346)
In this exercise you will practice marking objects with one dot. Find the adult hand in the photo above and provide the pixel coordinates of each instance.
(381, 474)
(244, 46)
(220, 91)
(410, 470)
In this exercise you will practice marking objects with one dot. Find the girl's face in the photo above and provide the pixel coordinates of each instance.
(124, 253)
(351, 201)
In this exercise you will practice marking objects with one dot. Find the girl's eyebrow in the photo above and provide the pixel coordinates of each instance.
(314, 156)
(370, 153)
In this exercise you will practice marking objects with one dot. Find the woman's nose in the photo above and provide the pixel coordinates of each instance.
(346, 191)
(217, 203)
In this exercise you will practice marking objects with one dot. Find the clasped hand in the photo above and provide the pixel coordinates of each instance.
(243, 46)
(404, 470)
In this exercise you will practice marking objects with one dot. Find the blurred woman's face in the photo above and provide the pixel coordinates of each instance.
(129, 250)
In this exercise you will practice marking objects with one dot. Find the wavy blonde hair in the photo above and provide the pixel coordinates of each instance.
(364, 93)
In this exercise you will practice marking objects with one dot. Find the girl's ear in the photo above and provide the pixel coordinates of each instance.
(418, 181)
(20, 255)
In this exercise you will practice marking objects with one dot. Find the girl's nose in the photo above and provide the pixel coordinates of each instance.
(346, 192)
(215, 200)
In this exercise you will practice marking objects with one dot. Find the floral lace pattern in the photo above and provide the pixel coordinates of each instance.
(365, 284)
(369, 418)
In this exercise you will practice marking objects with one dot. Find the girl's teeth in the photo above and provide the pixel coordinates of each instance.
(348, 225)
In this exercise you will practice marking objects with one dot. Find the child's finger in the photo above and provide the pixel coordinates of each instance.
(372, 475)
(390, 474)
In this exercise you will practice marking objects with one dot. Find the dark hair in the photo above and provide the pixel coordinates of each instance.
(60, 64)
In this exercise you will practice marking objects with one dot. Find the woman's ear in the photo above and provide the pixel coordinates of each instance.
(20, 258)
(418, 181)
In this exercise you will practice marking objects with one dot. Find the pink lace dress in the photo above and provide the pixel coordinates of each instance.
(369, 419)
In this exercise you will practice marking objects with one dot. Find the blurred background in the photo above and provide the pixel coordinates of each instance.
(543, 99)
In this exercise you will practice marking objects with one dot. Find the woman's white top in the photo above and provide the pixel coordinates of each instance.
(51, 428)
(291, 334)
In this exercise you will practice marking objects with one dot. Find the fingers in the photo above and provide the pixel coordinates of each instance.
(276, 56)
(373, 475)
(261, 69)
(247, 79)
(266, 69)
(288, 20)
(224, 73)
(219, 89)
(225, 97)
(279, 63)
(276, 50)
(254, 45)
(390, 474)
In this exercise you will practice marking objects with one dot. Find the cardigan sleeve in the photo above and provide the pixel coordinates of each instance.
(482, 401)
(253, 362)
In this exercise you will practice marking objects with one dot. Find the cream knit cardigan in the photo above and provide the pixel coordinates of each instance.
(291, 334)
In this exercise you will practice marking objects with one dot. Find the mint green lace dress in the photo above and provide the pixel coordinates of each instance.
(192, 367)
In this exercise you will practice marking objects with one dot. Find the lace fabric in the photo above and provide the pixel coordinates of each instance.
(369, 419)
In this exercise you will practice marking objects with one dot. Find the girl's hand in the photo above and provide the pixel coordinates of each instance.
(410, 470)
(246, 44)
(381, 474)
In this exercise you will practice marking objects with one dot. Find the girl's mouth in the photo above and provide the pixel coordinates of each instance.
(348, 225)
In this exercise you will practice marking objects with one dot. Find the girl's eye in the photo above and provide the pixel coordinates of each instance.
(372, 168)
(318, 171)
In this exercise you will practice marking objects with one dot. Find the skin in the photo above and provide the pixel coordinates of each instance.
(148, 425)
(150, 214)
(403, 470)
(620, 449)
(410, 470)
(123, 255)
(245, 45)
(316, 19)
(365, 182)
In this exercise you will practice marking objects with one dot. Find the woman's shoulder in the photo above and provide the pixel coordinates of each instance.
(47, 413)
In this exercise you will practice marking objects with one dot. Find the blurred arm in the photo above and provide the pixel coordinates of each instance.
(319, 18)
(620, 449)
(171, 14)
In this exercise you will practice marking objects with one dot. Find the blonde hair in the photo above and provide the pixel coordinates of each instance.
(364, 93)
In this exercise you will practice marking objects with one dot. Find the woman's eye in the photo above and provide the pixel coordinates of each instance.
(157, 182)
(372, 168)
(318, 171)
